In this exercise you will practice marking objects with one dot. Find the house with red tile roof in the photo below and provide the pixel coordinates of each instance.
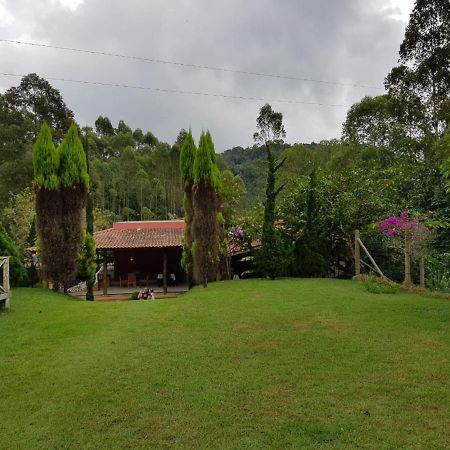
(141, 253)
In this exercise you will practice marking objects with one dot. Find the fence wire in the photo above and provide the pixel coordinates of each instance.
(390, 259)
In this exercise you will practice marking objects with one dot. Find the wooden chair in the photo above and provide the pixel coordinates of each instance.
(132, 280)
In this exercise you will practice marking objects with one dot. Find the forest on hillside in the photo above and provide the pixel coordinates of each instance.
(393, 156)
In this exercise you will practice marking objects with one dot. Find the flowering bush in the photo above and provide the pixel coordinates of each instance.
(409, 234)
(238, 239)
(412, 230)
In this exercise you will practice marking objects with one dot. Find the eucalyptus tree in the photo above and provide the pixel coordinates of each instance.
(23, 109)
(424, 70)
(42, 102)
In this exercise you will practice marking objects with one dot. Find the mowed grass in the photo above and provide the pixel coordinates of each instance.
(244, 364)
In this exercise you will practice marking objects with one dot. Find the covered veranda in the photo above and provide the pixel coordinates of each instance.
(140, 254)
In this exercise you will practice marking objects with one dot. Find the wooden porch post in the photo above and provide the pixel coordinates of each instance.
(105, 273)
(165, 271)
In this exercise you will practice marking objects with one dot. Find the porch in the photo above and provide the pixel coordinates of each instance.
(134, 255)
(124, 293)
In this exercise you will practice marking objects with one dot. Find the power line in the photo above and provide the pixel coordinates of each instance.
(179, 91)
(190, 65)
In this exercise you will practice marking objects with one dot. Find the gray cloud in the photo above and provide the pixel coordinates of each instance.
(352, 41)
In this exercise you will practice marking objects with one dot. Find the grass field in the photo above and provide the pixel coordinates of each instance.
(244, 364)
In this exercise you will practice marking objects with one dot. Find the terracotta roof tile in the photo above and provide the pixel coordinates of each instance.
(138, 238)
(165, 224)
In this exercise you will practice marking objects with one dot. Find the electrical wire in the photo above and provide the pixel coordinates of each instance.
(191, 65)
(179, 91)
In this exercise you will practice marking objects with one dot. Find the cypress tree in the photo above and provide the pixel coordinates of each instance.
(307, 255)
(45, 160)
(48, 205)
(273, 256)
(88, 256)
(187, 158)
(223, 241)
(72, 163)
(61, 181)
(205, 225)
(74, 183)
(211, 147)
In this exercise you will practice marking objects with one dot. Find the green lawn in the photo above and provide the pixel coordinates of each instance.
(244, 364)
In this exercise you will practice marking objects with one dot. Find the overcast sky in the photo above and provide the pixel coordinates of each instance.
(345, 41)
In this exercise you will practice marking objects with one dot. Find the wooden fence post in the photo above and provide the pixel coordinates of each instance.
(408, 279)
(6, 275)
(357, 254)
(374, 264)
(5, 288)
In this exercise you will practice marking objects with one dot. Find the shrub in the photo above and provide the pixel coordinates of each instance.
(438, 278)
(17, 274)
(377, 286)
(135, 295)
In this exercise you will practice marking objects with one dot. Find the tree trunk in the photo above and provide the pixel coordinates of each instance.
(90, 291)
(407, 280)
(422, 272)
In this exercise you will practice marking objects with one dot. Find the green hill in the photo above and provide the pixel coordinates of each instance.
(242, 364)
(251, 165)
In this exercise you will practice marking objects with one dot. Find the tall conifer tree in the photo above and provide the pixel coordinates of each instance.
(88, 258)
(187, 158)
(61, 181)
(272, 257)
(205, 225)
(74, 181)
(48, 205)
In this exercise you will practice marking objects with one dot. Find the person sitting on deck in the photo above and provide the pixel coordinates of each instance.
(145, 294)
(152, 295)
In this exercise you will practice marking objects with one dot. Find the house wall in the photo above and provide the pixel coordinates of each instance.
(147, 261)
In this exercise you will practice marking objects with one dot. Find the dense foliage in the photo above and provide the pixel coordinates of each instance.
(272, 258)
(187, 159)
(61, 182)
(74, 184)
(17, 273)
(206, 232)
(393, 155)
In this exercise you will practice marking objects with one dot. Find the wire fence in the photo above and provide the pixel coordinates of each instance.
(390, 260)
